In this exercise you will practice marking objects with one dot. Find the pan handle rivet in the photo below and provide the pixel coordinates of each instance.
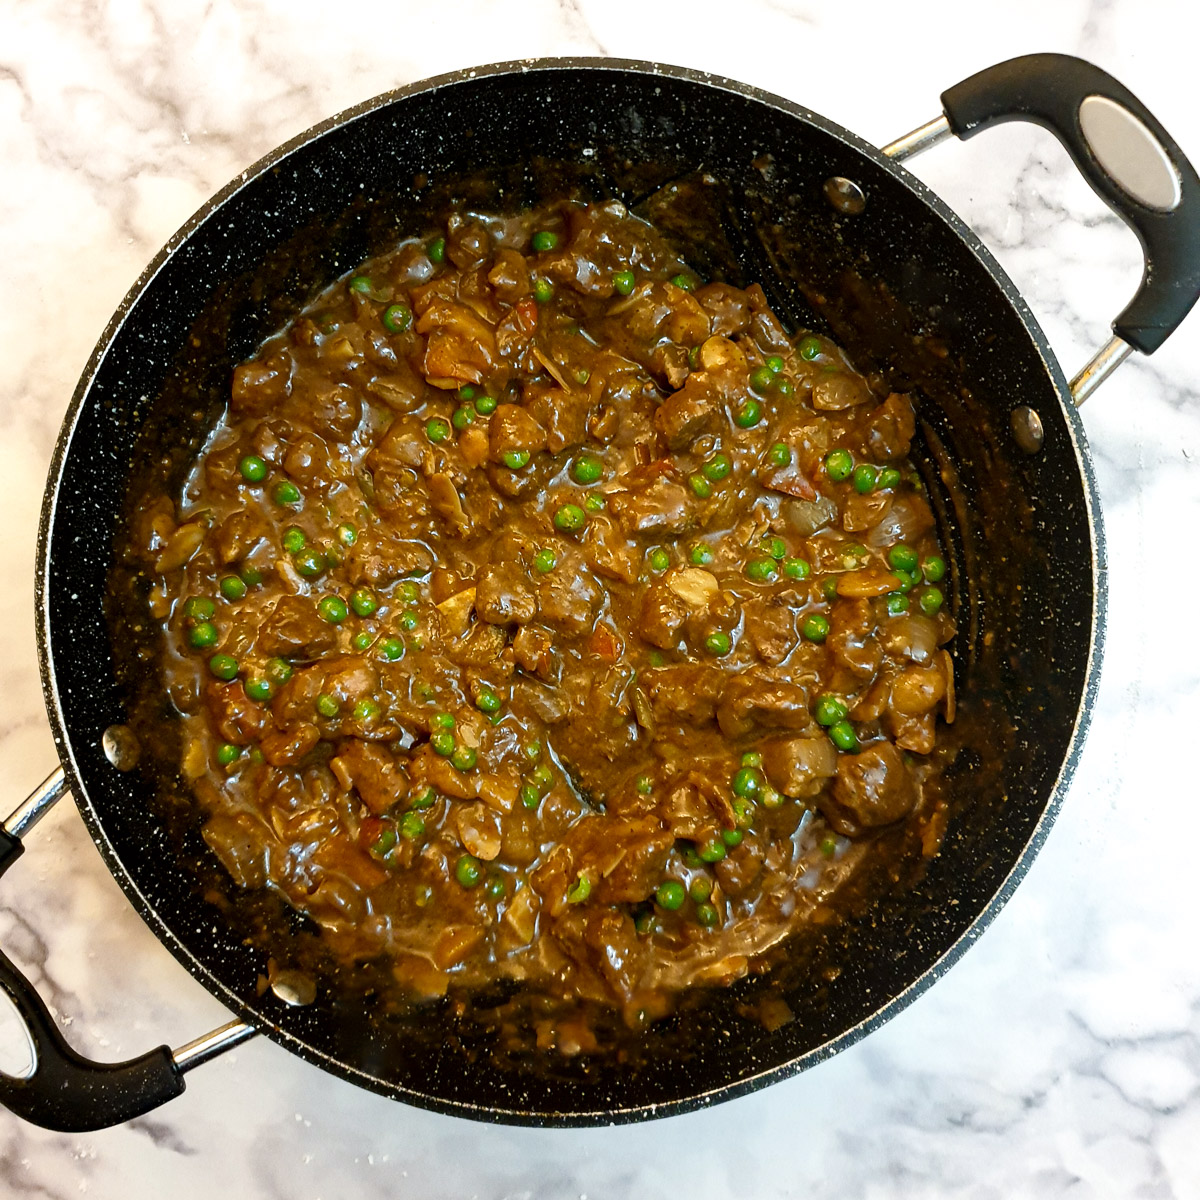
(1027, 429)
(121, 747)
(293, 987)
(845, 195)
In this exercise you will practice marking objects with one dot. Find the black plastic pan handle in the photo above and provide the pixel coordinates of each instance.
(66, 1091)
(1130, 160)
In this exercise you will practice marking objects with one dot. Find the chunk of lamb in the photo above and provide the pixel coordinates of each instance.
(875, 786)
(512, 430)
(763, 699)
(503, 595)
(294, 630)
(373, 772)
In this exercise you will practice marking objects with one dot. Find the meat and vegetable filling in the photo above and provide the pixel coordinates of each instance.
(540, 611)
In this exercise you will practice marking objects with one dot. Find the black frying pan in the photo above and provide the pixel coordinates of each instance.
(754, 188)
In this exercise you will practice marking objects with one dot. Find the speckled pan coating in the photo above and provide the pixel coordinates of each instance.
(1029, 537)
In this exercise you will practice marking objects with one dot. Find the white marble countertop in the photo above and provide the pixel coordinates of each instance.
(1062, 1055)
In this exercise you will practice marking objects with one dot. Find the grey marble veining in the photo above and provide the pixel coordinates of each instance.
(1061, 1056)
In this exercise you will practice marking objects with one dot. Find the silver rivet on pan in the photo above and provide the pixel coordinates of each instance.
(845, 195)
(121, 747)
(1027, 429)
(293, 987)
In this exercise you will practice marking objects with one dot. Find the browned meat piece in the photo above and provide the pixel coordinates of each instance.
(865, 511)
(293, 629)
(460, 346)
(382, 554)
(918, 690)
(238, 718)
(334, 412)
(875, 785)
(290, 745)
(503, 595)
(741, 868)
(891, 428)
(799, 766)
(563, 415)
(468, 244)
(510, 276)
(402, 389)
(771, 626)
(373, 772)
(532, 648)
(237, 535)
(695, 409)
(259, 386)
(853, 643)
(513, 430)
(759, 698)
(307, 458)
(426, 767)
(660, 506)
(686, 694)
(728, 307)
(911, 733)
(568, 601)
(662, 616)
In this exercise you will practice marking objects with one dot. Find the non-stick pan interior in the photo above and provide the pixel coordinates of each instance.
(738, 177)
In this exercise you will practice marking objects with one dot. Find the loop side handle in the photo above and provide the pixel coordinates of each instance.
(66, 1091)
(1123, 152)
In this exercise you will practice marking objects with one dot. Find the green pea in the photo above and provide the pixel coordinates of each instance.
(683, 281)
(328, 705)
(408, 621)
(310, 562)
(223, 666)
(232, 588)
(779, 455)
(544, 561)
(843, 737)
(486, 405)
(293, 539)
(670, 895)
(397, 318)
(410, 593)
(743, 810)
(443, 743)
(864, 478)
(623, 282)
(770, 798)
(363, 640)
(366, 710)
(644, 921)
(541, 777)
(700, 889)
(582, 376)
(908, 579)
(828, 846)
(514, 460)
(228, 753)
(466, 392)
(829, 588)
(464, 758)
(748, 414)
(202, 635)
(199, 608)
(774, 364)
(732, 837)
(889, 478)
(580, 890)
(839, 464)
(784, 386)
(332, 609)
(278, 671)
(436, 249)
(425, 798)
(747, 782)
(285, 493)
(364, 602)
(690, 858)
(761, 570)
(761, 378)
(712, 850)
(795, 568)
(902, 557)
(810, 348)
(347, 535)
(412, 826)
(815, 627)
(468, 871)
(752, 758)
(659, 559)
(717, 467)
(656, 658)
(532, 750)
(587, 469)
(570, 518)
(362, 285)
(830, 710)
(494, 888)
(530, 796)
(700, 486)
(462, 417)
(645, 785)
(543, 291)
(931, 600)
(253, 469)
(437, 430)
(258, 688)
(700, 556)
(250, 576)
(594, 503)
(776, 547)
(897, 604)
(707, 916)
(934, 569)
(718, 644)
(443, 720)
(544, 240)
(488, 702)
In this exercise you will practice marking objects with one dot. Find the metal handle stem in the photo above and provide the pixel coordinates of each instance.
(203, 1049)
(924, 137)
(52, 789)
(1102, 364)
